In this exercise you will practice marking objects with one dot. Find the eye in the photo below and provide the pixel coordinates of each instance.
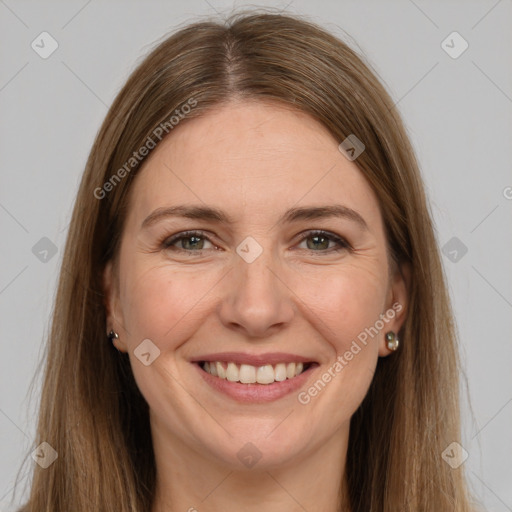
(191, 241)
(320, 241)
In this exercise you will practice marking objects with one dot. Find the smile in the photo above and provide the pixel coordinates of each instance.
(255, 378)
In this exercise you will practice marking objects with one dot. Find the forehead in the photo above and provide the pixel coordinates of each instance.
(254, 160)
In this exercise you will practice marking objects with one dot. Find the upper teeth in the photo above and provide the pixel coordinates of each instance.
(248, 374)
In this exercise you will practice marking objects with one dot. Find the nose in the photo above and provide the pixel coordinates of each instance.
(256, 301)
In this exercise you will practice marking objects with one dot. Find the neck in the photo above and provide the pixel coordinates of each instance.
(189, 481)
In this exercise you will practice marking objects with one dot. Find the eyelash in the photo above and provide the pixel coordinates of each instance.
(167, 243)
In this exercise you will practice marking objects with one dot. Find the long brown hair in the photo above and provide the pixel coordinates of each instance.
(92, 412)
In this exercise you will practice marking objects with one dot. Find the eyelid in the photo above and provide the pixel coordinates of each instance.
(168, 241)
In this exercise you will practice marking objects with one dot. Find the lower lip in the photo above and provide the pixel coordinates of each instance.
(256, 393)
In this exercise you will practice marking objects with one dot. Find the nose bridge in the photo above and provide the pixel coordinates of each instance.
(255, 299)
(255, 282)
(257, 274)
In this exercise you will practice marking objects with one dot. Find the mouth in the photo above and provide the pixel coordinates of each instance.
(264, 374)
(255, 379)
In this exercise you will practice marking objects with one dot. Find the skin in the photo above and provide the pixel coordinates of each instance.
(253, 160)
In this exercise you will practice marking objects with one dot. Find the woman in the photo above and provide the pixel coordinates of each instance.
(251, 313)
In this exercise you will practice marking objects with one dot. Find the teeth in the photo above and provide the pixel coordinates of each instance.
(232, 373)
(221, 372)
(265, 374)
(280, 372)
(248, 374)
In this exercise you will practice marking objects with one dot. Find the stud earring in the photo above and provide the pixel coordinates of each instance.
(392, 341)
(112, 335)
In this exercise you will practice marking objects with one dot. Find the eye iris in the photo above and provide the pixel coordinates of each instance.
(324, 245)
(192, 237)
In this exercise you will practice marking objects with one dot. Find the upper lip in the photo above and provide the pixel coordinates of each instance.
(253, 359)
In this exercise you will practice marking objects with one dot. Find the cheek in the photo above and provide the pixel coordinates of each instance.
(160, 304)
(345, 309)
(345, 301)
(166, 305)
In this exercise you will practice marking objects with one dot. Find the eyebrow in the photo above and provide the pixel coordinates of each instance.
(209, 213)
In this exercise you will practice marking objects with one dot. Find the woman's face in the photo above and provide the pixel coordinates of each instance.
(254, 285)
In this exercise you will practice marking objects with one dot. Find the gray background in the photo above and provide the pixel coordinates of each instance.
(458, 113)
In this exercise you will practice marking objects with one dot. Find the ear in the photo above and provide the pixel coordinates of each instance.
(112, 305)
(397, 303)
